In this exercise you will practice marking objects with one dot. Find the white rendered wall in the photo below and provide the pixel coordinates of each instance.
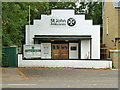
(95, 41)
(73, 54)
(85, 49)
(82, 27)
(46, 50)
(64, 63)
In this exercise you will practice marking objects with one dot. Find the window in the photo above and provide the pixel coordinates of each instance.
(53, 46)
(57, 46)
(73, 48)
(119, 40)
(62, 47)
(107, 25)
(65, 47)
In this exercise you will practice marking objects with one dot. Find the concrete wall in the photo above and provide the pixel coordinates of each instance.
(115, 56)
(64, 63)
(73, 54)
(82, 27)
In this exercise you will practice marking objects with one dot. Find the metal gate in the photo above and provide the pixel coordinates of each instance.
(11, 55)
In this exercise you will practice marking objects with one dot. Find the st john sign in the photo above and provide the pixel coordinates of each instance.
(63, 21)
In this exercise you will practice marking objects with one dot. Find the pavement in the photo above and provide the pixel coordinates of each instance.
(58, 78)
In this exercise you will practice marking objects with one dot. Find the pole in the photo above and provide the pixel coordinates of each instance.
(29, 14)
(28, 30)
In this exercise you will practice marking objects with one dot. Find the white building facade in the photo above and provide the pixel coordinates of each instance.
(61, 37)
(79, 38)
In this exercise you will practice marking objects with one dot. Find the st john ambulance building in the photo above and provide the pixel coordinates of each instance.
(62, 39)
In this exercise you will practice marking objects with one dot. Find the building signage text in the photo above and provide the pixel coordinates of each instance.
(62, 22)
(58, 21)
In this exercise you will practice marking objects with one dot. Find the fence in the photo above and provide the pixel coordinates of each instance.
(9, 57)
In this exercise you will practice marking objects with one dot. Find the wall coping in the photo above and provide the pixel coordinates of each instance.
(114, 51)
(64, 59)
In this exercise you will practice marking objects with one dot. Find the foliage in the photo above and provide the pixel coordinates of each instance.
(92, 10)
(5, 61)
(95, 12)
(14, 19)
(62, 5)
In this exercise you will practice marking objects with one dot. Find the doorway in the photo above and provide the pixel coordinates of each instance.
(59, 51)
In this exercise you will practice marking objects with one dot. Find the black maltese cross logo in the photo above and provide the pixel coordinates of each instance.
(71, 21)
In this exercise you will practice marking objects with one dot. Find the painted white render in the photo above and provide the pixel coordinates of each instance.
(64, 63)
(82, 27)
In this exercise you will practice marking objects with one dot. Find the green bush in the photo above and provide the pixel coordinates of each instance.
(4, 61)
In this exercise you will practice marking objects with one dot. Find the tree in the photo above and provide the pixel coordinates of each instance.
(15, 17)
(94, 12)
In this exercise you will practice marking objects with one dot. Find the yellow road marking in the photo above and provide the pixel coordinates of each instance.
(20, 72)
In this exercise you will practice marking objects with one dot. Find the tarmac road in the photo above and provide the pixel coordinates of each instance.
(58, 78)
